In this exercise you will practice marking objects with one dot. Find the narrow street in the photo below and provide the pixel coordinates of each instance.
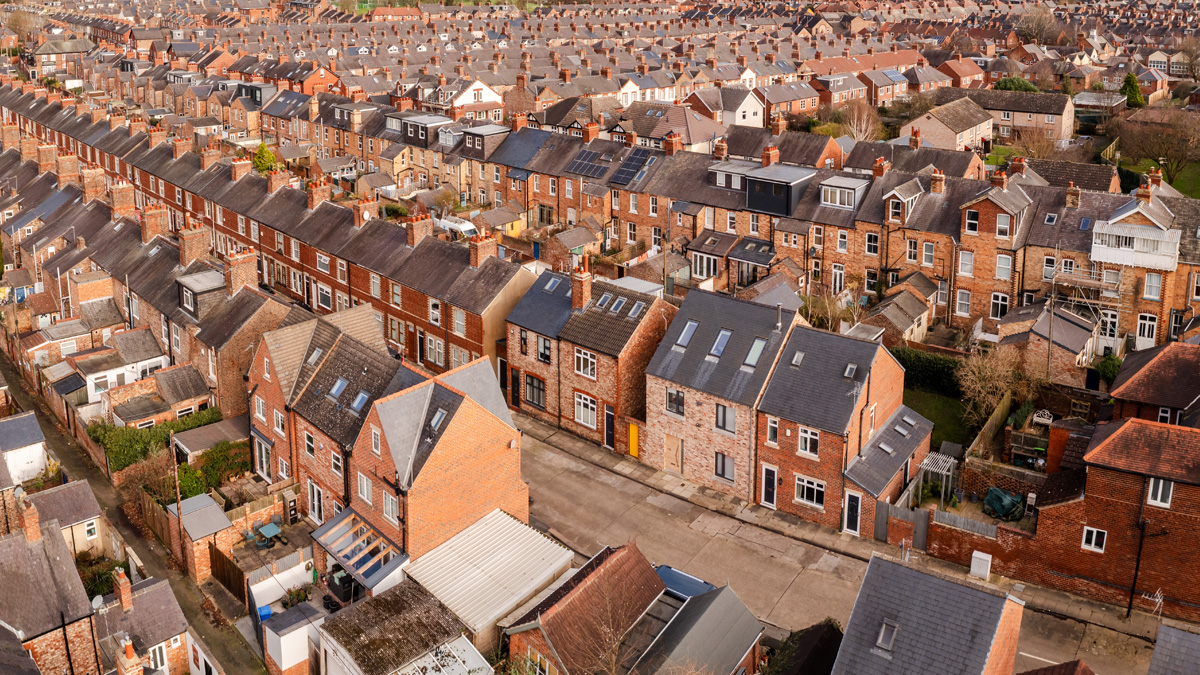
(225, 645)
(785, 582)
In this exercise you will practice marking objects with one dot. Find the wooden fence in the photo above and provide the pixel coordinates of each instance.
(227, 572)
(994, 425)
(155, 517)
(978, 527)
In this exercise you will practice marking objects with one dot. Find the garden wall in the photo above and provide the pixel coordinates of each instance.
(978, 475)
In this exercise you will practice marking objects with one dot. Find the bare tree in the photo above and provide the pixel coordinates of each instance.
(860, 121)
(1040, 25)
(984, 378)
(22, 23)
(1034, 144)
(605, 636)
(1171, 141)
(1190, 49)
(909, 109)
(348, 6)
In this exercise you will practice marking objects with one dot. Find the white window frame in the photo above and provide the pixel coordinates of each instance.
(364, 488)
(90, 530)
(1003, 266)
(585, 407)
(1160, 492)
(1152, 291)
(927, 252)
(962, 297)
(1089, 539)
(585, 363)
(998, 299)
(335, 462)
(966, 263)
(808, 439)
(817, 487)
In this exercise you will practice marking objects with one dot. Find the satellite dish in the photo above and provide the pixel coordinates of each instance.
(19, 492)
(98, 602)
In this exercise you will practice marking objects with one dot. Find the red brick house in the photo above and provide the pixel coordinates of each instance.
(577, 352)
(834, 437)
(1157, 384)
(434, 456)
(618, 591)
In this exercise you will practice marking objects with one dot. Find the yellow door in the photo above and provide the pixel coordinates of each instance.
(633, 446)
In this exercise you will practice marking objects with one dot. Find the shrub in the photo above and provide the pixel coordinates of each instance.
(223, 460)
(191, 482)
(395, 210)
(935, 373)
(1015, 84)
(127, 445)
(1108, 367)
(1023, 414)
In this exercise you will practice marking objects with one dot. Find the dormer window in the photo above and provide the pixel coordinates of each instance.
(840, 197)
(189, 300)
(895, 209)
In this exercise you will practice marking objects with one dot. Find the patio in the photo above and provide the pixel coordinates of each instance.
(249, 557)
(975, 512)
(244, 489)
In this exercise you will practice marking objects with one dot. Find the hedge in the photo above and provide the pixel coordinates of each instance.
(127, 445)
(935, 373)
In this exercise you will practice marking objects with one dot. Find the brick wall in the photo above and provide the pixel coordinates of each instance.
(1002, 659)
(475, 468)
(977, 476)
(50, 650)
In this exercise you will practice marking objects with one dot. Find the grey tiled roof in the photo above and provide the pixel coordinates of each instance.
(1177, 650)
(69, 504)
(942, 626)
(601, 329)
(817, 393)
(155, 617)
(726, 376)
(875, 465)
(541, 311)
(19, 431)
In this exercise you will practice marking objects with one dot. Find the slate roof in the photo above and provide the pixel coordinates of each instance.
(816, 393)
(710, 633)
(387, 631)
(41, 586)
(725, 376)
(14, 660)
(942, 626)
(18, 431)
(1162, 376)
(998, 99)
(70, 504)
(180, 384)
(599, 327)
(1148, 449)
(894, 442)
(541, 311)
(959, 115)
(1176, 651)
(1095, 177)
(155, 617)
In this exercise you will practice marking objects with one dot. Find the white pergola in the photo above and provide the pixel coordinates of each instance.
(943, 465)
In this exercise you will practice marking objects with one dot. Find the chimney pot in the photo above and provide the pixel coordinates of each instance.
(770, 155)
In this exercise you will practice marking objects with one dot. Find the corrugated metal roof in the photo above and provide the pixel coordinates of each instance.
(491, 567)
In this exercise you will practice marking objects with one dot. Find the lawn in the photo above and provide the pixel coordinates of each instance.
(1000, 153)
(945, 413)
(1188, 181)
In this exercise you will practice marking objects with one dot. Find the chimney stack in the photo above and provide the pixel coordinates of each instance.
(937, 181)
(1155, 176)
(591, 131)
(180, 147)
(240, 166)
(241, 269)
(1017, 166)
(124, 592)
(672, 143)
(778, 124)
(630, 139)
(67, 170)
(115, 121)
(30, 523)
(482, 247)
(121, 195)
(156, 136)
(770, 155)
(193, 242)
(276, 178)
(209, 156)
(154, 222)
(364, 210)
(519, 122)
(318, 190)
(720, 150)
(1000, 180)
(1143, 193)
(1074, 195)
(92, 177)
(581, 285)
(418, 230)
(881, 167)
(10, 137)
(914, 139)
(29, 149)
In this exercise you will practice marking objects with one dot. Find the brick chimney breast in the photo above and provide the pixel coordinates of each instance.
(30, 523)
(121, 195)
(937, 182)
(482, 247)
(581, 286)
(124, 592)
(193, 242)
(1074, 194)
(67, 169)
(209, 156)
(180, 147)
(241, 269)
(770, 155)
(92, 178)
(276, 178)
(240, 166)
(720, 150)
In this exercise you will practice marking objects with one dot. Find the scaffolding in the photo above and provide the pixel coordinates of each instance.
(1100, 290)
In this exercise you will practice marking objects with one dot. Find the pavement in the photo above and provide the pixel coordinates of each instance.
(789, 572)
(223, 644)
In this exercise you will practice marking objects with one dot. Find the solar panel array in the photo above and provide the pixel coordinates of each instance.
(585, 165)
(629, 168)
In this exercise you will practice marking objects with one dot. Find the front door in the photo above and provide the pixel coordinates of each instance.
(420, 346)
(770, 479)
(610, 428)
(316, 503)
(502, 370)
(674, 454)
(516, 388)
(853, 507)
(633, 440)
(839, 278)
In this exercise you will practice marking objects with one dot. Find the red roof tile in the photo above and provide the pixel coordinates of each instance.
(1148, 449)
(1163, 376)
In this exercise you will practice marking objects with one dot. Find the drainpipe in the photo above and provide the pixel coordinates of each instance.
(1137, 566)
